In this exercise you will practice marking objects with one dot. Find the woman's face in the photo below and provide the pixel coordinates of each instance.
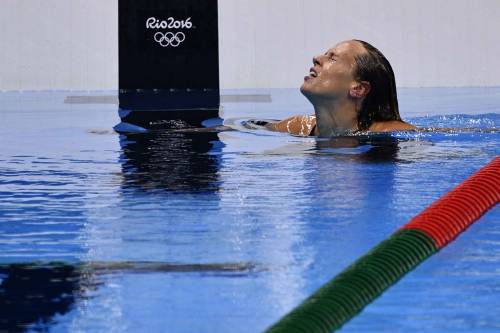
(331, 77)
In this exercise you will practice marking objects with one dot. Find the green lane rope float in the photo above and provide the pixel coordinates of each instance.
(349, 292)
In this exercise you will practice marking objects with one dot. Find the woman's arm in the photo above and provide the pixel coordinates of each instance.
(296, 125)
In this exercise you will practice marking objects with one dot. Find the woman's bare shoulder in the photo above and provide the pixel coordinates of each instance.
(391, 125)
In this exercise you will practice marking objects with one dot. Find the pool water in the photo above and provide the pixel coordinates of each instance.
(228, 231)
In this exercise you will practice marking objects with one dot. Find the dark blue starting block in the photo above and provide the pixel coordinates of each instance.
(168, 64)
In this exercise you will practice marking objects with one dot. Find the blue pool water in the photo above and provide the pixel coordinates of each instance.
(227, 232)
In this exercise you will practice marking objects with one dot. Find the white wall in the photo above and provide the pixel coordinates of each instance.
(72, 44)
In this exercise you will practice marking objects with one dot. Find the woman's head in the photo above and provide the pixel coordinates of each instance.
(355, 72)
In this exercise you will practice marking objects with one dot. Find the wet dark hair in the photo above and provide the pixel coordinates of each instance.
(381, 103)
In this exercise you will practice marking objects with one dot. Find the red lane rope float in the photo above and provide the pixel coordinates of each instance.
(446, 218)
(349, 292)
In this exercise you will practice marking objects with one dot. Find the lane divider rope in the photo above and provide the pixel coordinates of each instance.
(349, 292)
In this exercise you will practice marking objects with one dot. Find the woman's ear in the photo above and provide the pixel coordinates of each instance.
(360, 89)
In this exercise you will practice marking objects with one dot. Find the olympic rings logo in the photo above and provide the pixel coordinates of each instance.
(169, 38)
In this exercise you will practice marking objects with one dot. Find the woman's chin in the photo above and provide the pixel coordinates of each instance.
(305, 90)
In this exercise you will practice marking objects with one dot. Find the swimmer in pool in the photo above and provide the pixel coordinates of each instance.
(353, 90)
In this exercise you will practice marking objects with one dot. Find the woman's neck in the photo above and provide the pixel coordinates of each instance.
(336, 118)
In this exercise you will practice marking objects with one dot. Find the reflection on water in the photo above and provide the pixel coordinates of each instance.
(174, 161)
(31, 295)
(382, 148)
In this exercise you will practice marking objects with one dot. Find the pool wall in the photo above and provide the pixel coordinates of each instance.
(73, 44)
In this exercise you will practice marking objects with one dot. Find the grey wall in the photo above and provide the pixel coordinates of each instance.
(72, 44)
(58, 44)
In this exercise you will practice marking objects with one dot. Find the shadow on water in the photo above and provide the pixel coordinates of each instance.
(171, 160)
